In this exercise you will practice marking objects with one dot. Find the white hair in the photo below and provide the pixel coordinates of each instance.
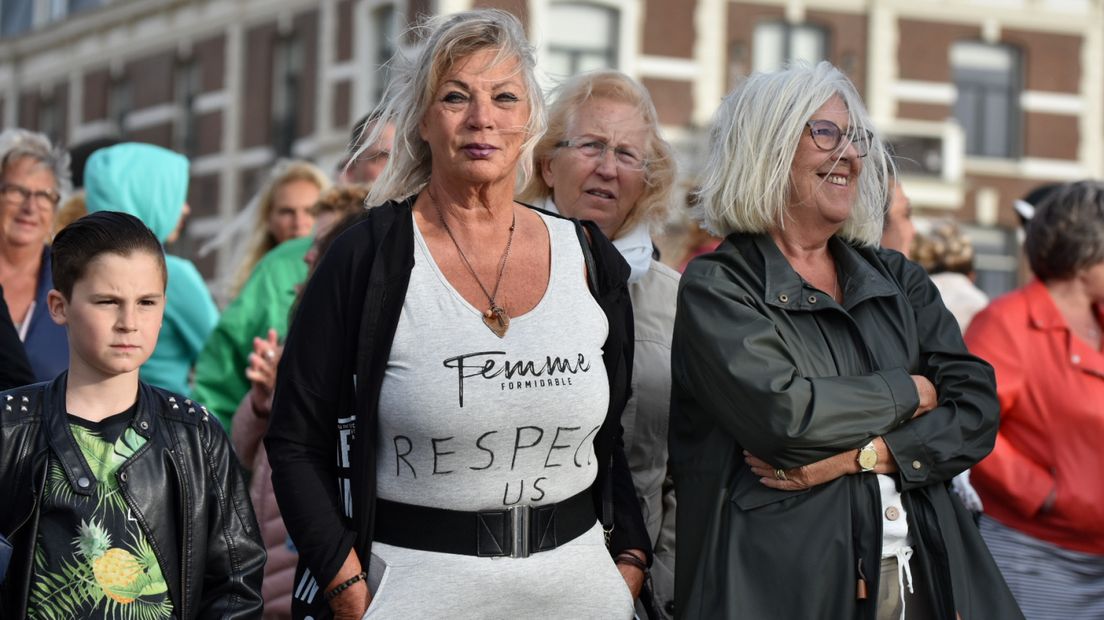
(414, 79)
(746, 185)
(16, 144)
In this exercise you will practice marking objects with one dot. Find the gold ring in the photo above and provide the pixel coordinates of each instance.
(780, 474)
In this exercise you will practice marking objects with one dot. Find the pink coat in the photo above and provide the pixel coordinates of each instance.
(247, 433)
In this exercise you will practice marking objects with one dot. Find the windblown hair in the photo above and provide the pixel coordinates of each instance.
(262, 240)
(446, 40)
(16, 144)
(620, 88)
(746, 184)
(1066, 234)
(104, 232)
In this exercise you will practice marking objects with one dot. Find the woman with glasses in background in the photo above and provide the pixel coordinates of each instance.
(602, 159)
(33, 174)
(822, 397)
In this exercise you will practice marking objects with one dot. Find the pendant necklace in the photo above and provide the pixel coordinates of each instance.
(494, 317)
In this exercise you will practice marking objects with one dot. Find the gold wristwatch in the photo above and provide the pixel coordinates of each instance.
(868, 457)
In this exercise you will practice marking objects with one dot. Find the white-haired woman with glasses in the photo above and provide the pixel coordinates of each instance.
(602, 159)
(822, 395)
(33, 176)
(445, 437)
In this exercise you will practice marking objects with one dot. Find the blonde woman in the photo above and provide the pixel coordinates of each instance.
(603, 159)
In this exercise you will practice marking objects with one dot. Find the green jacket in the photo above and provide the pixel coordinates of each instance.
(264, 302)
(763, 361)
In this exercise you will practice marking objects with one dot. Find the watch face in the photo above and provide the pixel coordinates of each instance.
(868, 459)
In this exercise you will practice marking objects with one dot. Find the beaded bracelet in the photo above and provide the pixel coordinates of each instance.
(631, 560)
(348, 583)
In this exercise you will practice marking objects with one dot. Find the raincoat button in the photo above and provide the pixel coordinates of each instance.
(892, 513)
(122, 477)
(1076, 359)
(143, 425)
(812, 299)
(783, 298)
(917, 465)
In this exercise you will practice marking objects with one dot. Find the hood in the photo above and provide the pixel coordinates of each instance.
(146, 181)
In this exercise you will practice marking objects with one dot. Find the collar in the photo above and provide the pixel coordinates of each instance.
(784, 288)
(60, 437)
(1044, 315)
(635, 245)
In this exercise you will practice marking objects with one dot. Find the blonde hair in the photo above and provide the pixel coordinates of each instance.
(746, 185)
(71, 210)
(262, 240)
(446, 41)
(659, 175)
(944, 248)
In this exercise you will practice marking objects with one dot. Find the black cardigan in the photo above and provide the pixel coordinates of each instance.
(327, 395)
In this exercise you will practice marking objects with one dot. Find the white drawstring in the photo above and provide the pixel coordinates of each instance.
(903, 572)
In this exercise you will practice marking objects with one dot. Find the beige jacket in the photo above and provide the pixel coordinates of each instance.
(646, 418)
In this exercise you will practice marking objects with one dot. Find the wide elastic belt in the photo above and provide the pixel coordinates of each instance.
(515, 532)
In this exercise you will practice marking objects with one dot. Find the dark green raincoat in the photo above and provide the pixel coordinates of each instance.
(763, 361)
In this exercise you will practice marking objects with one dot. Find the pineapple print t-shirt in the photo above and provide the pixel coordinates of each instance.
(92, 559)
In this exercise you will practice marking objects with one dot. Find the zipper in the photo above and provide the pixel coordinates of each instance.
(37, 493)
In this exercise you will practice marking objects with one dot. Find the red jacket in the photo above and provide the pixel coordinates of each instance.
(1051, 389)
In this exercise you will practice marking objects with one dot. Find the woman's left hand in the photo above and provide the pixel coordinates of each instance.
(633, 576)
(804, 477)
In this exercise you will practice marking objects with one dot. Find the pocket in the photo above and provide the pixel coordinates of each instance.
(379, 572)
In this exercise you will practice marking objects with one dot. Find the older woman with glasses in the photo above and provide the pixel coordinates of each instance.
(445, 436)
(822, 397)
(33, 174)
(602, 159)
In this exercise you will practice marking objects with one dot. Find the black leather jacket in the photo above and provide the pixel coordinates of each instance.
(184, 486)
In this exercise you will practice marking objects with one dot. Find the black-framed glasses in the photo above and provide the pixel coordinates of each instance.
(827, 136)
(590, 148)
(17, 194)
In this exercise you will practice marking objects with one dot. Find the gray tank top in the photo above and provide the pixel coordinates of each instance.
(469, 421)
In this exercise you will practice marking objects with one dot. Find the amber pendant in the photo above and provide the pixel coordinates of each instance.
(497, 320)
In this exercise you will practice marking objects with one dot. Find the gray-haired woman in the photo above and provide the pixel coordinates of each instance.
(822, 394)
(1044, 503)
(33, 175)
(445, 437)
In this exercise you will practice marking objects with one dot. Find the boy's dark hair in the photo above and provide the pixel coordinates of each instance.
(79, 243)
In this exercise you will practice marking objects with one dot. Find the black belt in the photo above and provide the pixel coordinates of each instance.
(516, 532)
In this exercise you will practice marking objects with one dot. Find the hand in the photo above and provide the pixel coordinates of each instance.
(929, 399)
(354, 601)
(633, 576)
(262, 372)
(806, 476)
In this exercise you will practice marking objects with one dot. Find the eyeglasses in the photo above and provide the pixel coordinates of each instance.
(589, 148)
(828, 136)
(17, 194)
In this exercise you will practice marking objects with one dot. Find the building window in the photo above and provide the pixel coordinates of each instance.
(16, 17)
(385, 24)
(185, 89)
(777, 43)
(119, 103)
(49, 118)
(287, 71)
(987, 78)
(581, 37)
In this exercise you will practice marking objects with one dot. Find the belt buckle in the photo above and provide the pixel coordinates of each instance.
(520, 517)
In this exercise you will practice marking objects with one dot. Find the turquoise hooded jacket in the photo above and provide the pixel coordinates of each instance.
(151, 183)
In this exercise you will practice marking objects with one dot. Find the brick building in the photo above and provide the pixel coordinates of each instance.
(983, 98)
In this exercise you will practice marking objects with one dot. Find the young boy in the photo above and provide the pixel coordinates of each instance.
(122, 500)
